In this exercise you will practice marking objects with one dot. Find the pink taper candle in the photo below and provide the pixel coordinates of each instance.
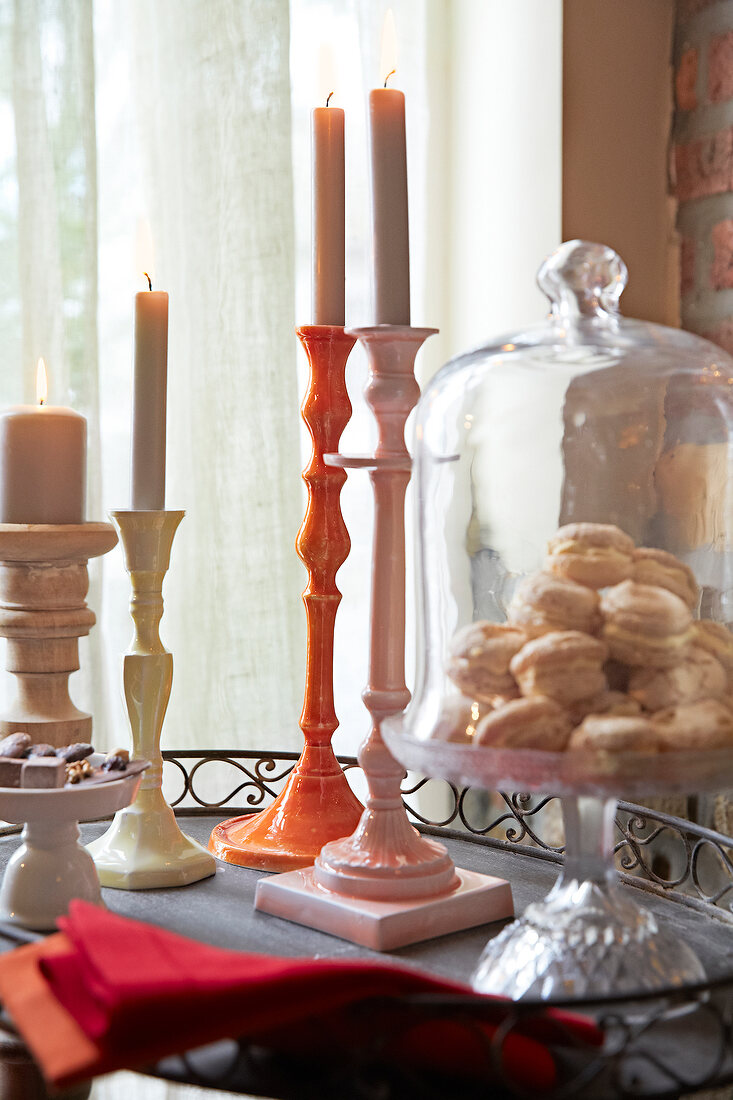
(329, 240)
(389, 194)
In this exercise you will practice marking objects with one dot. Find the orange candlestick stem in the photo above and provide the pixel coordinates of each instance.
(323, 542)
(317, 804)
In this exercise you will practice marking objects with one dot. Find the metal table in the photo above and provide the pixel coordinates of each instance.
(656, 1045)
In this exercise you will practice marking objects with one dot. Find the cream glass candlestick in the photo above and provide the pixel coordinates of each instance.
(386, 885)
(144, 848)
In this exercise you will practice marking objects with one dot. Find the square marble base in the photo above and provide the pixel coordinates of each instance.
(384, 925)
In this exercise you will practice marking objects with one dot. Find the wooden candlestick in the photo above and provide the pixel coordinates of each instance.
(386, 885)
(317, 804)
(43, 613)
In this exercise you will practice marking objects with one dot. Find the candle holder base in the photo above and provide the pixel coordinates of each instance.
(385, 925)
(144, 849)
(316, 805)
(43, 613)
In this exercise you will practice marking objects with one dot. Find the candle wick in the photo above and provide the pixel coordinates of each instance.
(388, 76)
(150, 281)
(328, 99)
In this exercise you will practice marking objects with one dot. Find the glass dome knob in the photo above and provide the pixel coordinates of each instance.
(582, 278)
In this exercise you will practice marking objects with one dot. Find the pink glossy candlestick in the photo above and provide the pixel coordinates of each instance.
(386, 857)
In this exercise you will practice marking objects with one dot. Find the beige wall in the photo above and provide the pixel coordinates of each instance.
(617, 114)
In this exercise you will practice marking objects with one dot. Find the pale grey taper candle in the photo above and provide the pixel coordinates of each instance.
(149, 401)
(389, 207)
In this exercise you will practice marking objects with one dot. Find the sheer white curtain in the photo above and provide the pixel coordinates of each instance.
(196, 115)
(209, 87)
(192, 129)
(48, 231)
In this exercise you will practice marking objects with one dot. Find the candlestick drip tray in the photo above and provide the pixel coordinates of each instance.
(384, 925)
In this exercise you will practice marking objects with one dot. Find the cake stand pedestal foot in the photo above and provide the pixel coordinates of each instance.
(588, 937)
(47, 871)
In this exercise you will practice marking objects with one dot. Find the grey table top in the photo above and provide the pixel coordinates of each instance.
(219, 911)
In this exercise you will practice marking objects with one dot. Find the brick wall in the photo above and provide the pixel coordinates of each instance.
(702, 165)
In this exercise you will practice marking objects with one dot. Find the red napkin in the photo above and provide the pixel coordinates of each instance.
(110, 993)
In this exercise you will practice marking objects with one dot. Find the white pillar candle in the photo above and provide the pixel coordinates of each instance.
(43, 462)
(389, 194)
(149, 400)
(328, 222)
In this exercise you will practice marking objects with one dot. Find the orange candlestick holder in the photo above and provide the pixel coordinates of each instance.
(317, 804)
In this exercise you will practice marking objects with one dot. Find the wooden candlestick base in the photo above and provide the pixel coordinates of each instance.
(43, 613)
(317, 803)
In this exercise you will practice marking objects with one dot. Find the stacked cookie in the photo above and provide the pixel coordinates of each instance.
(600, 651)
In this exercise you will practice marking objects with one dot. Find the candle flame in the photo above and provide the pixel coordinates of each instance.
(144, 251)
(388, 64)
(326, 72)
(41, 383)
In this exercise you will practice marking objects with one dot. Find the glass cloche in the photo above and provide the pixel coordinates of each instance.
(575, 589)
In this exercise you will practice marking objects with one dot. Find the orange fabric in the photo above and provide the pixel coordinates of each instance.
(54, 1038)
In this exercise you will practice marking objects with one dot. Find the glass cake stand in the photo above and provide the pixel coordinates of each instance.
(588, 937)
(528, 453)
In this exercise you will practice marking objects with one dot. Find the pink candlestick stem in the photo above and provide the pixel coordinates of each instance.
(386, 858)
